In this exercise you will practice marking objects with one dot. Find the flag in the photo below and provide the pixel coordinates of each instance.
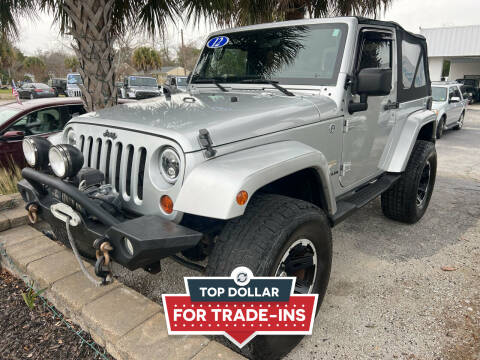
(15, 92)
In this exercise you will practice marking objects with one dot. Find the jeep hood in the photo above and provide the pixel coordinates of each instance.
(228, 117)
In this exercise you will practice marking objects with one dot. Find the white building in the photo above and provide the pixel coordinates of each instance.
(458, 44)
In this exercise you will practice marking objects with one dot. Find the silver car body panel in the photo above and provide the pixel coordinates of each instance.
(211, 188)
(451, 111)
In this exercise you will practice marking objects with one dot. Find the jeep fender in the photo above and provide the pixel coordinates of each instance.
(403, 138)
(211, 188)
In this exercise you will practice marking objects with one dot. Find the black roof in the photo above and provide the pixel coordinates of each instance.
(364, 20)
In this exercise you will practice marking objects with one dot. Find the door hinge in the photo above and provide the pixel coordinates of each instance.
(345, 167)
(345, 126)
(390, 105)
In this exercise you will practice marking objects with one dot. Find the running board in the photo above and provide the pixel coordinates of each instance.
(362, 197)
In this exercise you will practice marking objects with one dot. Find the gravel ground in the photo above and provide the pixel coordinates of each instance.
(34, 334)
(388, 297)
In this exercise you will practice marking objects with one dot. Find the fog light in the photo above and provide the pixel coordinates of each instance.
(167, 204)
(128, 245)
(35, 150)
(65, 160)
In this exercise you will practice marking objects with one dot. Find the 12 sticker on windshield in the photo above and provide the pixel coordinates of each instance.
(217, 42)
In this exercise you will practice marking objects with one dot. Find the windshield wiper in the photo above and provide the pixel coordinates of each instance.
(271, 82)
(210, 81)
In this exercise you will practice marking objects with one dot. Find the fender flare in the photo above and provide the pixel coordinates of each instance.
(210, 189)
(403, 139)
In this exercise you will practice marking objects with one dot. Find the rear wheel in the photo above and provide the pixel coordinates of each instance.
(408, 199)
(277, 236)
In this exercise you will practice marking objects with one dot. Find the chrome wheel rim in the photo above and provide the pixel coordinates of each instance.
(300, 261)
(423, 185)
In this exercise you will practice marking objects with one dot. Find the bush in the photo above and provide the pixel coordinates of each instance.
(8, 179)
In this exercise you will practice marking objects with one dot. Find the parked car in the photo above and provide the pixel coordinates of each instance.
(290, 128)
(35, 90)
(449, 106)
(59, 85)
(174, 84)
(73, 80)
(471, 86)
(139, 87)
(42, 117)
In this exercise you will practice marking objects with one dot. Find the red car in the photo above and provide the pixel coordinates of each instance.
(42, 117)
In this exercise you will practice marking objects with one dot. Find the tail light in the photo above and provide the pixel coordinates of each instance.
(38, 90)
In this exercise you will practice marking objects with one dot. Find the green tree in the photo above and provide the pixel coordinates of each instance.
(96, 24)
(187, 56)
(36, 66)
(71, 62)
(145, 58)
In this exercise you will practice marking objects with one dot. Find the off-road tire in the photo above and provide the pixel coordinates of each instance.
(400, 201)
(259, 238)
(460, 122)
(441, 127)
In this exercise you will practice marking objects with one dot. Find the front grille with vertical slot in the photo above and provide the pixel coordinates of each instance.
(122, 164)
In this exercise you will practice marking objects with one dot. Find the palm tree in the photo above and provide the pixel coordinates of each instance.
(96, 24)
(35, 65)
(71, 62)
(145, 58)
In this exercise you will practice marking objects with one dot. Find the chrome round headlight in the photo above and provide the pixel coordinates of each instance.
(35, 150)
(170, 165)
(65, 160)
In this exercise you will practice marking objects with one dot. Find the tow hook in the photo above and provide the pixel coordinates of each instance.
(103, 265)
(32, 214)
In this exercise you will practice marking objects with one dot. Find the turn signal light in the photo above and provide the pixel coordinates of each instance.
(167, 204)
(242, 197)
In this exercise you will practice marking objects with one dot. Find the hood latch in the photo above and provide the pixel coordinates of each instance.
(206, 143)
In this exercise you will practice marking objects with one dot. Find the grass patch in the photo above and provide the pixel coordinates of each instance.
(8, 179)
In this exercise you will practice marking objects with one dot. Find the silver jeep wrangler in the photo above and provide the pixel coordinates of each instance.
(285, 130)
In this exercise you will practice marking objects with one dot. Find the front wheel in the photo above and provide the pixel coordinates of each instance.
(460, 122)
(408, 199)
(277, 236)
(440, 127)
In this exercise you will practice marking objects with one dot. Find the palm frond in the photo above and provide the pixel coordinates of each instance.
(10, 13)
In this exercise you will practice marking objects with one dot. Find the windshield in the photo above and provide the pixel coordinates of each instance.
(143, 81)
(6, 114)
(181, 81)
(439, 93)
(308, 55)
(74, 79)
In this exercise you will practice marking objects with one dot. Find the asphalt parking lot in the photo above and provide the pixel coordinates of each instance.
(388, 296)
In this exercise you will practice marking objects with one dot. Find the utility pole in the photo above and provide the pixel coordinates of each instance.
(183, 55)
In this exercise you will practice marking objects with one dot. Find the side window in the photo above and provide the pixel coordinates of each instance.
(451, 92)
(39, 122)
(456, 92)
(376, 53)
(75, 110)
(413, 66)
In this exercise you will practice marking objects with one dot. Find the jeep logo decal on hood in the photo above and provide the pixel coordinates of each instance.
(110, 134)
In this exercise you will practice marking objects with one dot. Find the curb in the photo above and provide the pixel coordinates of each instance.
(126, 323)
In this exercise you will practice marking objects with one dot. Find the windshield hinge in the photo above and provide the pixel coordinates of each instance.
(206, 143)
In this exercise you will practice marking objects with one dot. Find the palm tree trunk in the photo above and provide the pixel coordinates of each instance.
(93, 44)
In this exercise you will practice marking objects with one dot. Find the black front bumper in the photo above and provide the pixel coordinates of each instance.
(152, 237)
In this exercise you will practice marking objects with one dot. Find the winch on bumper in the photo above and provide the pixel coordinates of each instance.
(137, 242)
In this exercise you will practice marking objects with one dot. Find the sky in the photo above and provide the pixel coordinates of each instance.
(41, 35)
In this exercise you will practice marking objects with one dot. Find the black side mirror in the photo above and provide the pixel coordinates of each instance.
(370, 82)
(374, 82)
